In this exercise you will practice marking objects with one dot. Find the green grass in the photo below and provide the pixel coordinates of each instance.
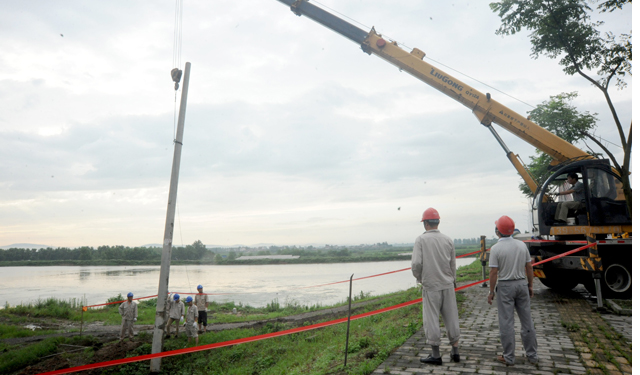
(47, 308)
(470, 273)
(623, 303)
(11, 331)
(16, 359)
(371, 341)
(319, 351)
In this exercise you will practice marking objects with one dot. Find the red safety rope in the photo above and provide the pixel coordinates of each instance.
(537, 263)
(111, 303)
(270, 335)
(226, 343)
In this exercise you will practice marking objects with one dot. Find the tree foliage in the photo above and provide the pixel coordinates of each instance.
(189, 252)
(563, 119)
(563, 29)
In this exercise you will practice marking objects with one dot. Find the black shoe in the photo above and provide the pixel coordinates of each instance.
(455, 357)
(431, 361)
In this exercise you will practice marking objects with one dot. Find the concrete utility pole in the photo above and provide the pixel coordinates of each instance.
(163, 285)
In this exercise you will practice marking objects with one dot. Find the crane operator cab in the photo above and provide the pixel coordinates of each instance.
(581, 194)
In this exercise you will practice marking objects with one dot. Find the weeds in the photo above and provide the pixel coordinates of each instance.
(571, 326)
(50, 307)
(20, 358)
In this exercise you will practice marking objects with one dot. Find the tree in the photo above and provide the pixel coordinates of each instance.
(562, 119)
(85, 253)
(563, 28)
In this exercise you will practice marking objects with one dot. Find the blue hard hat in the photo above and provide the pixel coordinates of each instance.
(199, 287)
(189, 299)
(129, 294)
(176, 297)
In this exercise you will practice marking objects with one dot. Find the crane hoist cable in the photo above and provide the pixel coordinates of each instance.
(176, 76)
(176, 73)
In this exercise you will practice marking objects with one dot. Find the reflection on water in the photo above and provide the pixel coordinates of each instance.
(250, 285)
(84, 274)
(127, 272)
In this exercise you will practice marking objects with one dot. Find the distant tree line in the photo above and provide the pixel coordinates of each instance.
(196, 251)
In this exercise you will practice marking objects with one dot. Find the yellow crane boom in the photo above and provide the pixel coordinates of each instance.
(487, 110)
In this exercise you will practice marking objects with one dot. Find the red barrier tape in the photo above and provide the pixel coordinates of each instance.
(564, 254)
(475, 252)
(270, 335)
(534, 264)
(226, 343)
(381, 274)
(111, 303)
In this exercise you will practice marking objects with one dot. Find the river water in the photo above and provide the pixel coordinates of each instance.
(255, 285)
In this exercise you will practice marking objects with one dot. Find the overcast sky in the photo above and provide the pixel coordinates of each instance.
(293, 135)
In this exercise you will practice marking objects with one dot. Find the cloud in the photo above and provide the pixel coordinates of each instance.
(293, 134)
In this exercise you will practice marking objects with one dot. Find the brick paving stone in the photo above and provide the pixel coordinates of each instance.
(480, 341)
(622, 324)
(559, 350)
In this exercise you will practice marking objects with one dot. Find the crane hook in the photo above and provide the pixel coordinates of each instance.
(176, 75)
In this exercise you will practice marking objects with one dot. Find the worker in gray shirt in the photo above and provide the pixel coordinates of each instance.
(129, 312)
(511, 269)
(176, 314)
(433, 264)
(577, 193)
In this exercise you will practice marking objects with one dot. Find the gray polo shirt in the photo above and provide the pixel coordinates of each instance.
(578, 192)
(510, 257)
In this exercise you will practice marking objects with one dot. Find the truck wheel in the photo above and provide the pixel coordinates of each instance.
(616, 281)
(553, 280)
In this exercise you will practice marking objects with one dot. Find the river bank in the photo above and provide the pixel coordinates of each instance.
(210, 262)
(255, 285)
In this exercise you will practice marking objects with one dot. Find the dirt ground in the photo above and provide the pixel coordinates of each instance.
(106, 352)
(98, 329)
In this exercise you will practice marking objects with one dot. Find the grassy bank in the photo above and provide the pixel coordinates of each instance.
(320, 351)
(71, 310)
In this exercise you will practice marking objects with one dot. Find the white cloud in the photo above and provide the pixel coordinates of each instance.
(293, 135)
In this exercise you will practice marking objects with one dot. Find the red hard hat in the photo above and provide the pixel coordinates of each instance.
(430, 214)
(505, 225)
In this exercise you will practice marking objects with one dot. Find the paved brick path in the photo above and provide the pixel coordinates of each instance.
(620, 323)
(560, 322)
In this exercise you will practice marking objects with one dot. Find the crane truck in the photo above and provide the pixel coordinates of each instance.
(603, 220)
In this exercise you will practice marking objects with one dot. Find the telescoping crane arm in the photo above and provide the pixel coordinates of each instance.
(486, 109)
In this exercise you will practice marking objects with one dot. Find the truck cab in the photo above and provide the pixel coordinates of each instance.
(603, 217)
(603, 212)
